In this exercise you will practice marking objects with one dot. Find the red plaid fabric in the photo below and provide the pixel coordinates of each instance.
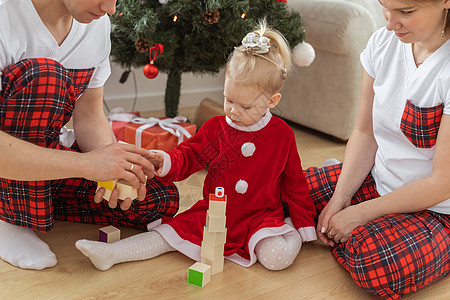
(420, 125)
(73, 200)
(322, 182)
(392, 255)
(36, 100)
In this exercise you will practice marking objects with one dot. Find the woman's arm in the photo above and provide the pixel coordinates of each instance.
(412, 197)
(358, 160)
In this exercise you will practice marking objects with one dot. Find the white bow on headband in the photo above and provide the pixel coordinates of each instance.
(255, 43)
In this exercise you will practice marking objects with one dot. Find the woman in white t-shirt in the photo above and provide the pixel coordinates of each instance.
(54, 61)
(397, 157)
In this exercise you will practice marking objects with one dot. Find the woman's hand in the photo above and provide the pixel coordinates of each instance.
(345, 221)
(334, 206)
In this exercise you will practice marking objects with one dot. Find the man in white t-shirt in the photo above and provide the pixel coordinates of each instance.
(54, 61)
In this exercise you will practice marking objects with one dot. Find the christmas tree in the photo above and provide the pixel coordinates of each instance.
(196, 35)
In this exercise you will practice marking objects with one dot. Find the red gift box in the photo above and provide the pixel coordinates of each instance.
(118, 118)
(159, 134)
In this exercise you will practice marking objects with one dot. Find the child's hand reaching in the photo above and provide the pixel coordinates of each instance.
(157, 159)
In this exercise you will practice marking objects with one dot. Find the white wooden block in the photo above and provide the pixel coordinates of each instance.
(214, 239)
(215, 223)
(126, 190)
(212, 253)
(216, 265)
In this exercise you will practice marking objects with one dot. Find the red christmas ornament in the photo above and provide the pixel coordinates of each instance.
(150, 70)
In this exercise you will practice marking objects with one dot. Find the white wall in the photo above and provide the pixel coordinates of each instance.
(150, 92)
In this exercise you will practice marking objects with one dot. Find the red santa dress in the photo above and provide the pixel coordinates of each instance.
(259, 167)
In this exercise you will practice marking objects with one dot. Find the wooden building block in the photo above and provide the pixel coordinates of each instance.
(217, 208)
(214, 239)
(108, 234)
(109, 186)
(215, 223)
(211, 253)
(126, 190)
(199, 274)
(216, 265)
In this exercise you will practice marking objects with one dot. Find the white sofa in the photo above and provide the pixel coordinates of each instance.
(325, 95)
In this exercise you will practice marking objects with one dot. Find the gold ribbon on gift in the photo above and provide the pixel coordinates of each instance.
(169, 124)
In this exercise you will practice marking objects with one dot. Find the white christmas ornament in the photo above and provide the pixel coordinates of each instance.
(248, 149)
(303, 54)
(241, 186)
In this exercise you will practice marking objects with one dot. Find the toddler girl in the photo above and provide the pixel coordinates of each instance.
(250, 153)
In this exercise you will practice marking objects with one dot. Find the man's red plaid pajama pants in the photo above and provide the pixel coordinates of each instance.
(36, 100)
(392, 255)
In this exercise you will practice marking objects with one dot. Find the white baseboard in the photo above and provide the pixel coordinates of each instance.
(155, 101)
(150, 92)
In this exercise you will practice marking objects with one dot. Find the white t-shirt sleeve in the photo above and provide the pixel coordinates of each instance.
(375, 50)
(366, 57)
(103, 70)
(444, 88)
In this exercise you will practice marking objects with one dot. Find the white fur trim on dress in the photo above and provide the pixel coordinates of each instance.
(254, 127)
(186, 247)
(308, 234)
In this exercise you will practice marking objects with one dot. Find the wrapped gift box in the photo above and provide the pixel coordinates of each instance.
(159, 134)
(118, 118)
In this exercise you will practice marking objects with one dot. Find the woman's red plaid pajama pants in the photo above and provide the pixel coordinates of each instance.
(392, 255)
(37, 98)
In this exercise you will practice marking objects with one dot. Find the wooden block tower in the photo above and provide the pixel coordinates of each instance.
(214, 233)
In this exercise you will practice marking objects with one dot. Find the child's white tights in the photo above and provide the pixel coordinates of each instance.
(138, 247)
(279, 252)
(275, 253)
(22, 248)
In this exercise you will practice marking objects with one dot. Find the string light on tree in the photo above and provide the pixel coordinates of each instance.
(190, 48)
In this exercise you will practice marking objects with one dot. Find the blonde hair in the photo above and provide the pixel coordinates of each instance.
(266, 73)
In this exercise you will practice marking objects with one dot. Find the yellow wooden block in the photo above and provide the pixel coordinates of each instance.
(107, 193)
(109, 185)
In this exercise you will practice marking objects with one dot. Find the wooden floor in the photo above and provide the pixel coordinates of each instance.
(314, 274)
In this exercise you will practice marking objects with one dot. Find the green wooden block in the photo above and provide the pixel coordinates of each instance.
(199, 274)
